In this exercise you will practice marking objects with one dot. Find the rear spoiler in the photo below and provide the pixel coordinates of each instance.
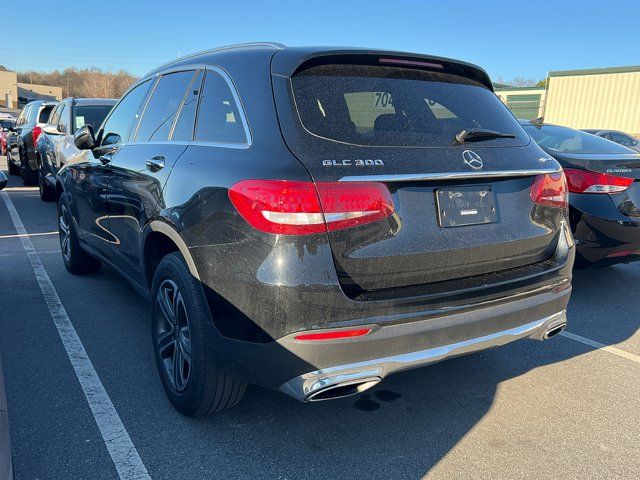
(289, 61)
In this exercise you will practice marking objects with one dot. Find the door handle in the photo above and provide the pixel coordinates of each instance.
(156, 163)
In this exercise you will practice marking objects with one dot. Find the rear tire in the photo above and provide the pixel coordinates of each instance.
(76, 260)
(184, 343)
(29, 177)
(47, 194)
(13, 169)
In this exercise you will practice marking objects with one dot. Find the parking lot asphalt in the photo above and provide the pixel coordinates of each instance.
(565, 408)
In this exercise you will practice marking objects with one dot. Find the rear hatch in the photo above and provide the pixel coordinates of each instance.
(460, 209)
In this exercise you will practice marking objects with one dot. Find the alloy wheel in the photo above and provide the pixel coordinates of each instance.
(173, 335)
(64, 232)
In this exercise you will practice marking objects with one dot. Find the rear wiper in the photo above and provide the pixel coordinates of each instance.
(480, 134)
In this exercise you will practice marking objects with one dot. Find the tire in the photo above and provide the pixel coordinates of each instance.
(76, 260)
(47, 194)
(28, 176)
(13, 169)
(185, 330)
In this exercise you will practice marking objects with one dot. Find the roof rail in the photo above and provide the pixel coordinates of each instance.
(237, 46)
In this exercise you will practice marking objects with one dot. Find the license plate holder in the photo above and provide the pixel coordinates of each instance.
(465, 205)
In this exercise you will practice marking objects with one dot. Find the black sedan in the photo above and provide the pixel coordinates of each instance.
(604, 193)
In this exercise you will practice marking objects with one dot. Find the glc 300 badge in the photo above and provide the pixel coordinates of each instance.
(353, 163)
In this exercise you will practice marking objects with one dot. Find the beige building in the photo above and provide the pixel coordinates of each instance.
(14, 94)
(604, 98)
(526, 103)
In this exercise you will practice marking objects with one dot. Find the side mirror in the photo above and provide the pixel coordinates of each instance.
(84, 139)
(3, 180)
(60, 128)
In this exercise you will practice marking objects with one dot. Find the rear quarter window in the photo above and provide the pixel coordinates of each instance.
(43, 115)
(219, 117)
(390, 106)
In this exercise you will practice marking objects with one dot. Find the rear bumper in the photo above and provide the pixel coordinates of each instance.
(346, 379)
(303, 369)
(605, 237)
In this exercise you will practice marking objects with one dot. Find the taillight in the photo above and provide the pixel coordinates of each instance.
(550, 190)
(36, 132)
(332, 334)
(299, 208)
(583, 181)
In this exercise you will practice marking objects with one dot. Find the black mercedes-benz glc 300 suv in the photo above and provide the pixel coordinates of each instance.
(315, 219)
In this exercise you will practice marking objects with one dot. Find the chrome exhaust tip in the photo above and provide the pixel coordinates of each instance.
(553, 331)
(344, 389)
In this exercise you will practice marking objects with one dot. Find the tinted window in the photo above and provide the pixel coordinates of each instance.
(218, 116)
(7, 123)
(162, 108)
(183, 131)
(118, 125)
(63, 114)
(622, 139)
(390, 106)
(54, 118)
(43, 115)
(32, 114)
(567, 140)
(92, 115)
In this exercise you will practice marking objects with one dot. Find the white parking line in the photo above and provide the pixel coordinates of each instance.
(28, 235)
(601, 346)
(123, 453)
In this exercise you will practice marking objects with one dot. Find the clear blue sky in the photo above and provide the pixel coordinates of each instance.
(508, 38)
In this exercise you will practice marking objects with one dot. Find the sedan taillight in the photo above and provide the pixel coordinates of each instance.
(583, 181)
(299, 208)
(550, 190)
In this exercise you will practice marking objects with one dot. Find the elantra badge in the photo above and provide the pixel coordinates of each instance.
(472, 159)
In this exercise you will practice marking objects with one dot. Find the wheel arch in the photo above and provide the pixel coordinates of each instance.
(161, 239)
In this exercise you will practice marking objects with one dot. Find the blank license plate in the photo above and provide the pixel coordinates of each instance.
(467, 205)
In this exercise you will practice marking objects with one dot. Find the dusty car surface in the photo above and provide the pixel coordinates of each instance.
(313, 220)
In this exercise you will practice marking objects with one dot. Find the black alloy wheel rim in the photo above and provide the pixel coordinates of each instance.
(173, 337)
(65, 233)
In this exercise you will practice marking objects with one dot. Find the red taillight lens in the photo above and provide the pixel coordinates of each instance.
(333, 335)
(299, 208)
(550, 190)
(36, 132)
(583, 181)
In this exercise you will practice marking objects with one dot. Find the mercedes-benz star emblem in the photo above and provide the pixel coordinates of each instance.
(472, 159)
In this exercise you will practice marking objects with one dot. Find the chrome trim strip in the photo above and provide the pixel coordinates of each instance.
(308, 384)
(427, 177)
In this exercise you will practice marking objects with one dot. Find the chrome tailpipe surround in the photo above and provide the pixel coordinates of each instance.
(350, 379)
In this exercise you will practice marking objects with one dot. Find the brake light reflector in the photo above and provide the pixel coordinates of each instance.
(333, 335)
(583, 181)
(35, 133)
(300, 208)
(550, 190)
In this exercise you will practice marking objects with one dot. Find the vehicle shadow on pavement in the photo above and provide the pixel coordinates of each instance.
(408, 423)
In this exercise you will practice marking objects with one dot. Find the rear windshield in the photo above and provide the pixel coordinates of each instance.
(568, 140)
(92, 115)
(391, 106)
(43, 116)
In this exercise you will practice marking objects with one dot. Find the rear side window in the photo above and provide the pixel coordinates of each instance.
(32, 115)
(391, 106)
(219, 119)
(92, 115)
(183, 131)
(118, 126)
(162, 108)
